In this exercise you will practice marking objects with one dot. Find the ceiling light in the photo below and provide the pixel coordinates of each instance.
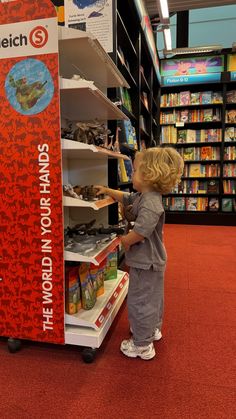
(167, 39)
(163, 11)
(192, 50)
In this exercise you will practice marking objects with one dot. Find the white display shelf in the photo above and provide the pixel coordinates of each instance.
(81, 53)
(83, 101)
(89, 328)
(97, 257)
(81, 203)
(77, 150)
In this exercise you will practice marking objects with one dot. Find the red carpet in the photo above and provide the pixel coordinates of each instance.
(194, 373)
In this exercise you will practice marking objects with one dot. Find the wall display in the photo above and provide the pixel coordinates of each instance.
(231, 66)
(94, 16)
(31, 241)
(190, 70)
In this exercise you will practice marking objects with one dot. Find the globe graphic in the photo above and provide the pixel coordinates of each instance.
(81, 4)
(29, 86)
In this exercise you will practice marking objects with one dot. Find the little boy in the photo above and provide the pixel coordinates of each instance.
(156, 171)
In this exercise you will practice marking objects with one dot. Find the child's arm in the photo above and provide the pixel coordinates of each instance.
(131, 238)
(113, 193)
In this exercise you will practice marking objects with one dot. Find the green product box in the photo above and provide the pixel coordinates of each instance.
(111, 266)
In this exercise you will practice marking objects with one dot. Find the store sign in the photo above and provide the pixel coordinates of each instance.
(94, 16)
(180, 80)
(31, 218)
(28, 38)
(192, 70)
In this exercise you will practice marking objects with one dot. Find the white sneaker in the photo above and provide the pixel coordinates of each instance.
(129, 349)
(157, 334)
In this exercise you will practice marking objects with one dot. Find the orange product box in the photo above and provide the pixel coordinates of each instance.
(97, 274)
(72, 290)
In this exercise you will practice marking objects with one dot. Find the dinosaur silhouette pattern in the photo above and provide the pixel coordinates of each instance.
(21, 255)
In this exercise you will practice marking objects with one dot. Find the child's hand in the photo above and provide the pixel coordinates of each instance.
(101, 190)
(125, 243)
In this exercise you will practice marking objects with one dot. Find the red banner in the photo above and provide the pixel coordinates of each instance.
(31, 217)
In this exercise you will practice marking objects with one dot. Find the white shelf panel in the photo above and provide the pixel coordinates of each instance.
(80, 203)
(81, 53)
(89, 328)
(83, 101)
(77, 150)
(95, 258)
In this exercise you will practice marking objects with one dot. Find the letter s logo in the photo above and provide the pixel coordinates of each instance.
(38, 37)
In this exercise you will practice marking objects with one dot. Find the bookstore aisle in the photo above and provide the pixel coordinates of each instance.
(193, 374)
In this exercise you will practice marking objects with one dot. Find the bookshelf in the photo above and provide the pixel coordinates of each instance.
(198, 118)
(139, 101)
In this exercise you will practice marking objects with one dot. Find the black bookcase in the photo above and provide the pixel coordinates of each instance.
(133, 58)
(205, 135)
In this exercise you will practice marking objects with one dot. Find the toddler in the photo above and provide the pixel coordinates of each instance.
(156, 171)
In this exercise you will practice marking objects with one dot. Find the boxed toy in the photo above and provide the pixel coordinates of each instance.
(72, 290)
(97, 274)
(111, 265)
(88, 292)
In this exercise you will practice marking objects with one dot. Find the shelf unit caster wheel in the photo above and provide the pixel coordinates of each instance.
(14, 345)
(88, 355)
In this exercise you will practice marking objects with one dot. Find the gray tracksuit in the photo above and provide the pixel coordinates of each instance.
(147, 261)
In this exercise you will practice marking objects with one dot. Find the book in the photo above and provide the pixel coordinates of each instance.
(207, 115)
(191, 136)
(188, 153)
(217, 97)
(206, 153)
(191, 204)
(128, 134)
(227, 205)
(181, 136)
(230, 134)
(184, 115)
(195, 170)
(231, 96)
(177, 204)
(213, 204)
(212, 186)
(195, 98)
(231, 116)
(206, 97)
(184, 98)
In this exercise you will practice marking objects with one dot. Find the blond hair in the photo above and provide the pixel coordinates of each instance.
(160, 167)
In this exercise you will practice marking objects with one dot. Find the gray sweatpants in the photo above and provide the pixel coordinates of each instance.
(145, 303)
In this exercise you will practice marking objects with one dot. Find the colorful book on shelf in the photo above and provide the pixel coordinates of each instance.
(206, 153)
(231, 96)
(213, 186)
(195, 98)
(181, 136)
(230, 134)
(177, 204)
(188, 153)
(206, 97)
(191, 136)
(195, 170)
(213, 135)
(217, 97)
(123, 177)
(227, 205)
(207, 115)
(231, 116)
(184, 115)
(184, 98)
(191, 204)
(213, 204)
(128, 134)
(129, 169)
